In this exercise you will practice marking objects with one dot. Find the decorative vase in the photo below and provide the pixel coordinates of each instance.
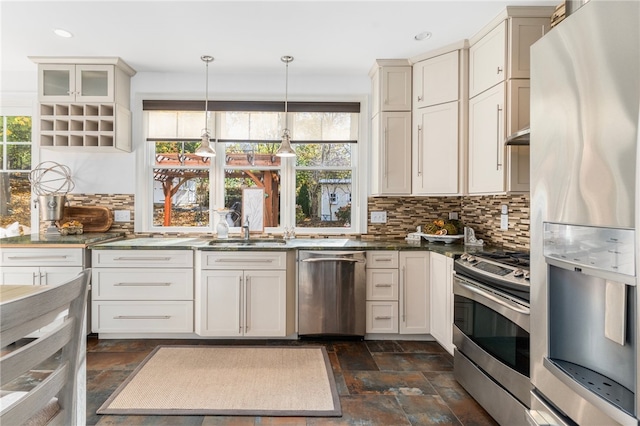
(222, 228)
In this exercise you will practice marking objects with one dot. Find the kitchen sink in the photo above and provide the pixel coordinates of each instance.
(253, 242)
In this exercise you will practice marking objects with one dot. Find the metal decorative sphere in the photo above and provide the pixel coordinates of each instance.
(51, 178)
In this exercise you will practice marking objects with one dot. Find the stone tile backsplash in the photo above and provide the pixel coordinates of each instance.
(482, 213)
(113, 202)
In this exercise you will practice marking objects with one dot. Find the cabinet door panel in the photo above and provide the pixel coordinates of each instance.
(56, 83)
(221, 303)
(441, 283)
(486, 141)
(435, 150)
(396, 89)
(142, 316)
(94, 83)
(265, 298)
(435, 80)
(51, 275)
(517, 157)
(522, 34)
(487, 60)
(392, 157)
(20, 276)
(414, 292)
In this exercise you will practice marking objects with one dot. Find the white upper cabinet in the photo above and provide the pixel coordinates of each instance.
(76, 83)
(503, 53)
(435, 150)
(390, 86)
(487, 60)
(435, 80)
(391, 153)
(391, 127)
(84, 103)
(486, 141)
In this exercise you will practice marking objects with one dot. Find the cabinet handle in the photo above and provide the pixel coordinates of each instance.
(142, 317)
(244, 260)
(33, 278)
(419, 98)
(163, 259)
(498, 111)
(247, 304)
(383, 285)
(499, 70)
(142, 284)
(383, 318)
(388, 259)
(384, 153)
(419, 150)
(404, 297)
(36, 257)
(240, 305)
(43, 275)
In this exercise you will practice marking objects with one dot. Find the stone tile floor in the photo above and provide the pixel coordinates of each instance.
(379, 382)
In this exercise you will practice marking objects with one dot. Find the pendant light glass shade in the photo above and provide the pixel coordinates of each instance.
(285, 149)
(205, 150)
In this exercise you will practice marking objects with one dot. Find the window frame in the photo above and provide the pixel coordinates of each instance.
(17, 104)
(359, 167)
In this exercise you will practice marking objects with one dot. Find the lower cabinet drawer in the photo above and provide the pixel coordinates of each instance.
(382, 317)
(142, 316)
(140, 284)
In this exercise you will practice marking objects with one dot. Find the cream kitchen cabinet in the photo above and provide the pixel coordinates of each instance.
(436, 80)
(245, 294)
(436, 150)
(390, 86)
(441, 309)
(41, 266)
(503, 52)
(76, 83)
(391, 127)
(142, 291)
(382, 292)
(84, 103)
(486, 141)
(391, 153)
(493, 114)
(414, 292)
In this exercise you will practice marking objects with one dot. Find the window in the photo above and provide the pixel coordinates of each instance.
(312, 190)
(15, 160)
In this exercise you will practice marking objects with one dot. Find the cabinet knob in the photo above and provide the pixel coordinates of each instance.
(499, 70)
(419, 98)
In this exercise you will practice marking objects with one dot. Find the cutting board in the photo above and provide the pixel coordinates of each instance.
(93, 219)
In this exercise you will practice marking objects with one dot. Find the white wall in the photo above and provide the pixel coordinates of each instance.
(116, 172)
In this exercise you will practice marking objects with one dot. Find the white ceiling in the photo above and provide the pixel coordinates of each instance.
(325, 37)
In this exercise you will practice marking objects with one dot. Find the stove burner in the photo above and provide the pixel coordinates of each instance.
(512, 258)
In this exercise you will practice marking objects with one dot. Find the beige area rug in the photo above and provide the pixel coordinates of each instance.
(229, 380)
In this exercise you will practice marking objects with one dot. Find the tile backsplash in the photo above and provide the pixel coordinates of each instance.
(113, 202)
(482, 213)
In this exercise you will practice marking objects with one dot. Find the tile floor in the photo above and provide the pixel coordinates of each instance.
(380, 383)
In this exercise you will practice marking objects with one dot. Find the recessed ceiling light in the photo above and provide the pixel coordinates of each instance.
(62, 33)
(423, 36)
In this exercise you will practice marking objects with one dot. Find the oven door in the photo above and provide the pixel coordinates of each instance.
(492, 330)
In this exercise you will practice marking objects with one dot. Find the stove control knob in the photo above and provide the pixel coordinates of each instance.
(526, 275)
(471, 259)
(518, 273)
(465, 256)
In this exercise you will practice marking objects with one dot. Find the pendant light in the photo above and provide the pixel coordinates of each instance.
(205, 150)
(285, 149)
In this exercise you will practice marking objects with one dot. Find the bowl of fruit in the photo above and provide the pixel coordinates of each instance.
(71, 228)
(443, 231)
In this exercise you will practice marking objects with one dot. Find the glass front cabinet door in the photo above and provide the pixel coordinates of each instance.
(76, 83)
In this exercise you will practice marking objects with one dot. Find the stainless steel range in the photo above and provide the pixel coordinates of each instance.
(491, 332)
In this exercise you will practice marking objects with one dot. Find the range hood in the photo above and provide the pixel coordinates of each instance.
(519, 138)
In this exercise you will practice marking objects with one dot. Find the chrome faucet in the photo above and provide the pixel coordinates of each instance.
(245, 228)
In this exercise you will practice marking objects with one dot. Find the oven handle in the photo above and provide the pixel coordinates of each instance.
(512, 306)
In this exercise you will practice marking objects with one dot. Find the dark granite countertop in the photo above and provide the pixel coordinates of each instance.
(67, 241)
(262, 244)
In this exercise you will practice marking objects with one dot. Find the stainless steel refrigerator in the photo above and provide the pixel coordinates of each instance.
(585, 97)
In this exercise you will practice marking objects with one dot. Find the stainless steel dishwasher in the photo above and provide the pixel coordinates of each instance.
(331, 293)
